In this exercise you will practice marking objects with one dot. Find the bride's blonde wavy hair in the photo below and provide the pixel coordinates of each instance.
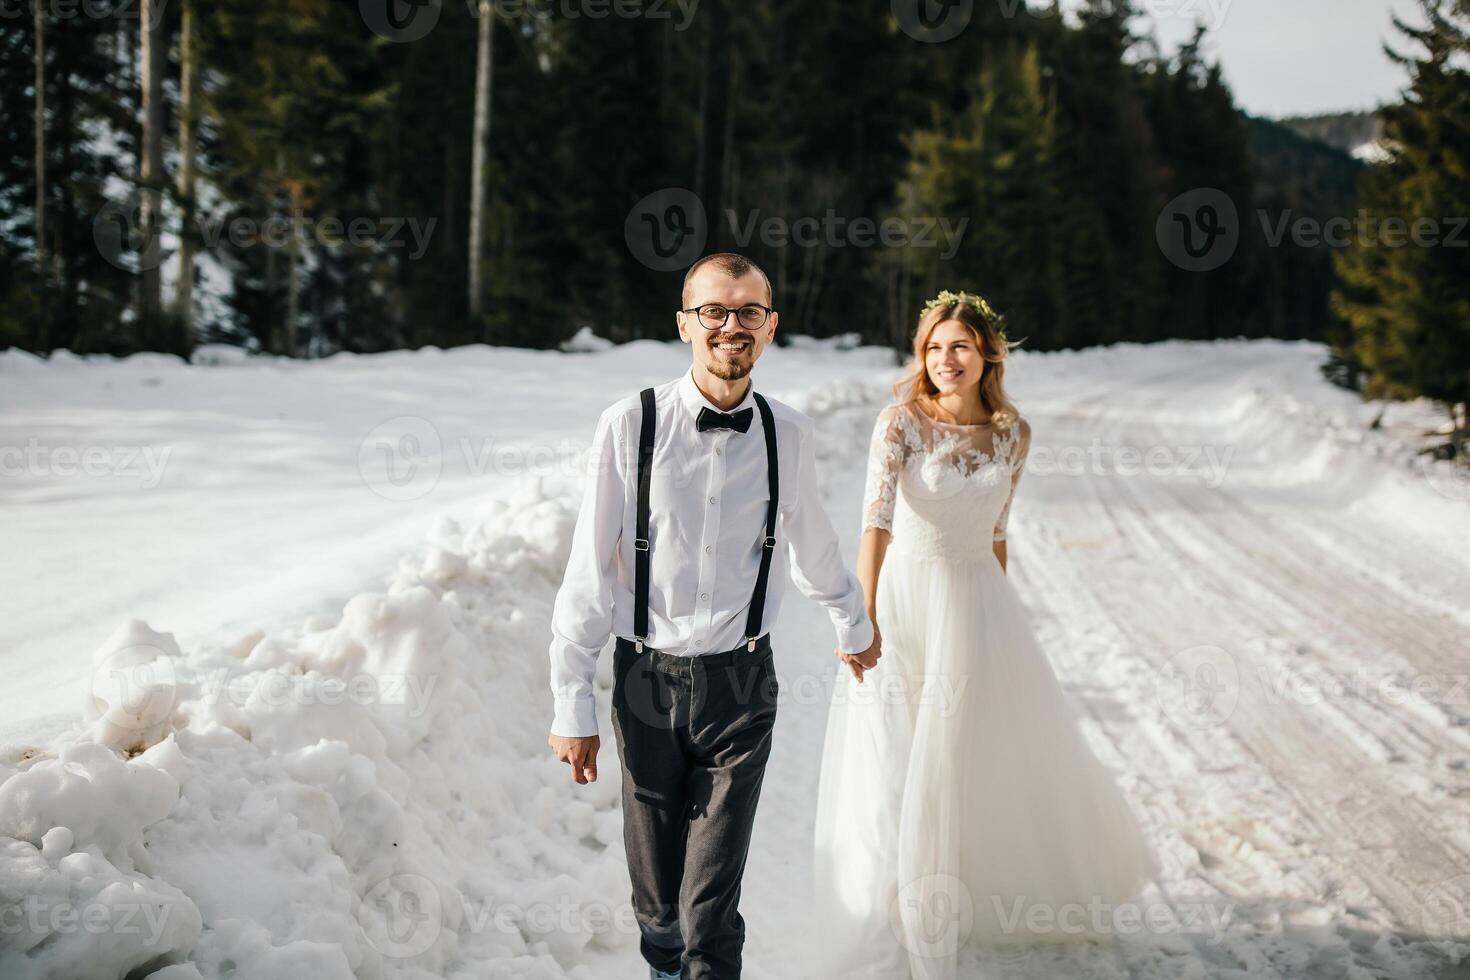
(988, 330)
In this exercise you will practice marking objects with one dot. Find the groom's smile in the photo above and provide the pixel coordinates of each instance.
(732, 346)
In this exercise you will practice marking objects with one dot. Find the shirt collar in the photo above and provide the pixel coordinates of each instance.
(694, 399)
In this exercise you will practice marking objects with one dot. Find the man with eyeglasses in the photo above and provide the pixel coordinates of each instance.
(703, 489)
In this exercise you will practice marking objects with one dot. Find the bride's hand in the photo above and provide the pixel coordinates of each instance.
(860, 663)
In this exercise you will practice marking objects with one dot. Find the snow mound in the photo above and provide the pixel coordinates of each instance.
(584, 341)
(76, 883)
(15, 360)
(367, 798)
(220, 355)
(134, 688)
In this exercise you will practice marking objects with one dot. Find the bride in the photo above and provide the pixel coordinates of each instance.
(958, 803)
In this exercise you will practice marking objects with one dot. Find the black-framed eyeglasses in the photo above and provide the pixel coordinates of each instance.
(713, 316)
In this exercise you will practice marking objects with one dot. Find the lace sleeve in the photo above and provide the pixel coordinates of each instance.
(1019, 444)
(885, 460)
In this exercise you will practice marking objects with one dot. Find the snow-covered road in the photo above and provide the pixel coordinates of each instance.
(1259, 606)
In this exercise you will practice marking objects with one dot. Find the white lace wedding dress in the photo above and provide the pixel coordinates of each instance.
(958, 804)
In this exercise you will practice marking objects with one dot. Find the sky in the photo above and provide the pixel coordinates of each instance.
(1294, 57)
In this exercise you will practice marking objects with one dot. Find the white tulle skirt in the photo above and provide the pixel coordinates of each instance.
(959, 805)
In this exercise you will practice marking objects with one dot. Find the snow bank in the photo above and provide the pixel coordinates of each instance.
(221, 355)
(585, 341)
(365, 798)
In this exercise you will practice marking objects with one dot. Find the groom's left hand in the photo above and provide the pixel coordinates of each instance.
(859, 663)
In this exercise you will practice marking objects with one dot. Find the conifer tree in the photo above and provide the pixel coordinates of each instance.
(1402, 281)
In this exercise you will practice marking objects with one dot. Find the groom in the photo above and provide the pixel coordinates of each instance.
(702, 487)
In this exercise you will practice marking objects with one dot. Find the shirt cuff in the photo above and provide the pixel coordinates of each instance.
(575, 718)
(856, 639)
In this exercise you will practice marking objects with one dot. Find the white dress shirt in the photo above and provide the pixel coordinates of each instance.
(707, 514)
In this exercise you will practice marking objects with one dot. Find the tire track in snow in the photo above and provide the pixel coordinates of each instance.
(1239, 557)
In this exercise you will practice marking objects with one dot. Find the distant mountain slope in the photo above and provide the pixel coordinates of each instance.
(1299, 183)
(1356, 133)
(1300, 171)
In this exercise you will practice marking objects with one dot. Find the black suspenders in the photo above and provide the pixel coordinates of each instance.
(640, 542)
(768, 544)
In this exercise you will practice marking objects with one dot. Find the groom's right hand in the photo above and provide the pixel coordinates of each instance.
(579, 753)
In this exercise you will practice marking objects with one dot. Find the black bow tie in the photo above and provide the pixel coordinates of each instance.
(710, 419)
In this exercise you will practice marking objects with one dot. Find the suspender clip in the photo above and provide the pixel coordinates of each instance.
(640, 544)
(750, 644)
(638, 645)
(770, 541)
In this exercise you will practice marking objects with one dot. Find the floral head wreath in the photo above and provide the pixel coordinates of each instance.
(976, 302)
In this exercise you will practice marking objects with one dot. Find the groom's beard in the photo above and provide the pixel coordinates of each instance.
(732, 370)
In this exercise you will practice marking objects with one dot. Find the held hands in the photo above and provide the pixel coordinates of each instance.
(579, 753)
(858, 663)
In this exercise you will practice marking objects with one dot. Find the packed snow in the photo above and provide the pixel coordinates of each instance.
(276, 679)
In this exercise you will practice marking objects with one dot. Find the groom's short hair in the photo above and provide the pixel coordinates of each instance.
(731, 265)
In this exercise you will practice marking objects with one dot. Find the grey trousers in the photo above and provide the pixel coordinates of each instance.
(693, 734)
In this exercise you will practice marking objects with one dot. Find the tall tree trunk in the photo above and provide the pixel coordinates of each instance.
(293, 296)
(42, 266)
(154, 47)
(276, 342)
(184, 294)
(729, 164)
(480, 151)
(701, 113)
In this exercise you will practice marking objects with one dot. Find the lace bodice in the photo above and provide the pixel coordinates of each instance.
(957, 481)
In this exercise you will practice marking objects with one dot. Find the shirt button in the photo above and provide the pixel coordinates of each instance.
(698, 644)
(713, 499)
(704, 595)
(719, 451)
(708, 550)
